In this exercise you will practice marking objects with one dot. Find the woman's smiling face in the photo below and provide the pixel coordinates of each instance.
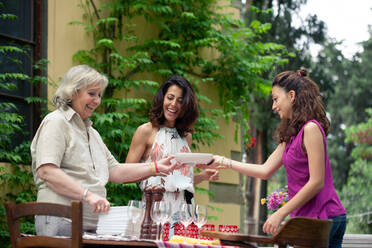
(282, 102)
(86, 100)
(172, 104)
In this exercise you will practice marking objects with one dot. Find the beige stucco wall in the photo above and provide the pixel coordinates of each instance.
(228, 213)
(64, 40)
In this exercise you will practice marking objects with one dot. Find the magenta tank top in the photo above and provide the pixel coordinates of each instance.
(326, 203)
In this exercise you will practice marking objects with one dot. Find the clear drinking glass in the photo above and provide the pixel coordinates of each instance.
(186, 215)
(160, 213)
(136, 213)
(200, 216)
(166, 217)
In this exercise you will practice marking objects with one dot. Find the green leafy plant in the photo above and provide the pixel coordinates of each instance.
(16, 179)
(355, 194)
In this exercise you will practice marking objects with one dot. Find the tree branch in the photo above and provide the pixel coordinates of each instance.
(95, 9)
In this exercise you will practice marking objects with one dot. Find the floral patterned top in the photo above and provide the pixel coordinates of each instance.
(168, 142)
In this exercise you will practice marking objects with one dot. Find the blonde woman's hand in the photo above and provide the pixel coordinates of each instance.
(165, 166)
(99, 203)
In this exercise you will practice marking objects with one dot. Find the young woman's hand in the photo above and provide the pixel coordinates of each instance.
(272, 223)
(218, 162)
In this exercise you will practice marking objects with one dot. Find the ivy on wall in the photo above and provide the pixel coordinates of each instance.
(16, 181)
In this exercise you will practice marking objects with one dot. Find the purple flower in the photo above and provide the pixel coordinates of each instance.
(276, 199)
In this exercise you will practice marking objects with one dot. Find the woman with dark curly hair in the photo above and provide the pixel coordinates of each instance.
(302, 150)
(173, 114)
(189, 111)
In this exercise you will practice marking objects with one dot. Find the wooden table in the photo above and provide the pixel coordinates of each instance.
(116, 243)
(298, 231)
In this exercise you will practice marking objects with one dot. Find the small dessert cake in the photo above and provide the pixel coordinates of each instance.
(186, 240)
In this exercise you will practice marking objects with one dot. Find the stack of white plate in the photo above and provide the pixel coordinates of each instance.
(116, 221)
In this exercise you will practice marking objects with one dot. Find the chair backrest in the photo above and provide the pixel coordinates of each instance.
(301, 231)
(73, 212)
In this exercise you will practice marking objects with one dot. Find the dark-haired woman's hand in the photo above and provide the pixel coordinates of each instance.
(272, 223)
(218, 162)
(210, 175)
(205, 166)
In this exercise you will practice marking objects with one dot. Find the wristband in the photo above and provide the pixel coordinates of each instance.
(156, 167)
(152, 168)
(230, 164)
(84, 195)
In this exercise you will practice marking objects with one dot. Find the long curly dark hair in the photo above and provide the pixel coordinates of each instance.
(190, 111)
(308, 104)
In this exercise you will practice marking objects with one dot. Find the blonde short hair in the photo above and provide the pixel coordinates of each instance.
(78, 77)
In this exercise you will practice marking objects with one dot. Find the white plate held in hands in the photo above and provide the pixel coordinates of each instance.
(193, 158)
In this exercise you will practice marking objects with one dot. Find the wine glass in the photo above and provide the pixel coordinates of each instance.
(166, 217)
(160, 214)
(137, 212)
(186, 215)
(200, 216)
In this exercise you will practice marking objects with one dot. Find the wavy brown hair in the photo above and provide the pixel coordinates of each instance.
(189, 109)
(308, 104)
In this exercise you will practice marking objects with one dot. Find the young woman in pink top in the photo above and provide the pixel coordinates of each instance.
(302, 150)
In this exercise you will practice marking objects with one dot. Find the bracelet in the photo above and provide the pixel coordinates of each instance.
(230, 164)
(85, 194)
(152, 168)
(156, 167)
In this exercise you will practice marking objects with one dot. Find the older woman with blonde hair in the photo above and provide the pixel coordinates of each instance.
(69, 158)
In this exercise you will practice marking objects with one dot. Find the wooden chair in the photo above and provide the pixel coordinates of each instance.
(298, 232)
(73, 212)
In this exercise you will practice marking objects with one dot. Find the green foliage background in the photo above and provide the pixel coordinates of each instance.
(15, 179)
(356, 193)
